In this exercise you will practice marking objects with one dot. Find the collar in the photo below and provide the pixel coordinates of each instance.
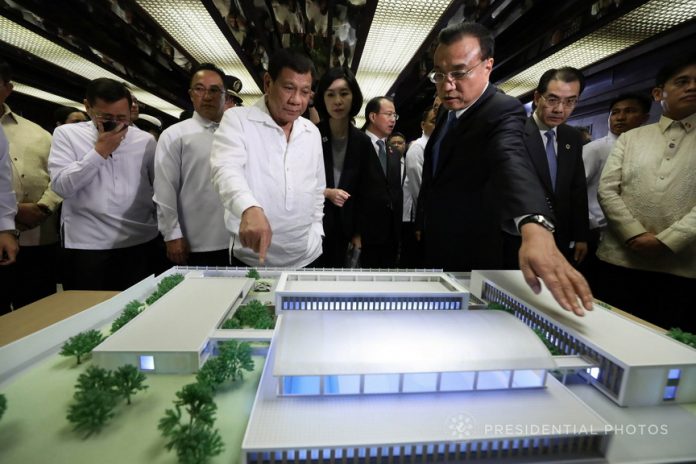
(7, 115)
(689, 123)
(543, 127)
(206, 123)
(460, 112)
(374, 138)
(259, 112)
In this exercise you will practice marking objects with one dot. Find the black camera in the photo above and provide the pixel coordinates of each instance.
(110, 125)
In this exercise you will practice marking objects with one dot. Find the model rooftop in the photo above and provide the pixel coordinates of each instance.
(609, 332)
(182, 320)
(366, 342)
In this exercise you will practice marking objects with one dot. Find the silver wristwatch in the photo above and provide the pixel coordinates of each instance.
(538, 219)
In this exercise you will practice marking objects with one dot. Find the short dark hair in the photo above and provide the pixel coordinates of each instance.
(61, 114)
(455, 32)
(325, 82)
(208, 67)
(5, 71)
(564, 74)
(673, 68)
(285, 58)
(373, 106)
(396, 134)
(107, 90)
(643, 100)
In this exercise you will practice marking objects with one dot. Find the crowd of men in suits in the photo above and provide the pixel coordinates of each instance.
(485, 187)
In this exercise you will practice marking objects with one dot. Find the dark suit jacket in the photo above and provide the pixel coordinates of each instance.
(569, 201)
(342, 220)
(483, 177)
(380, 198)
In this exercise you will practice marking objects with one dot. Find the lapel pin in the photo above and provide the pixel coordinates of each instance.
(567, 146)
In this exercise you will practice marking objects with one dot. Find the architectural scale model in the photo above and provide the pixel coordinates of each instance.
(393, 367)
(633, 364)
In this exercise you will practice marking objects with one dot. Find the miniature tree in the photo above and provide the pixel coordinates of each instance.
(253, 274)
(131, 310)
(213, 373)
(685, 337)
(95, 400)
(237, 358)
(128, 380)
(164, 286)
(194, 438)
(82, 344)
(3, 405)
(254, 314)
(231, 323)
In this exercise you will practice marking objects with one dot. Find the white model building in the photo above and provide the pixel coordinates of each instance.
(368, 290)
(173, 335)
(376, 366)
(634, 365)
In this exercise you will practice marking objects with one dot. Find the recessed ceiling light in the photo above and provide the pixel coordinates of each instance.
(646, 21)
(31, 42)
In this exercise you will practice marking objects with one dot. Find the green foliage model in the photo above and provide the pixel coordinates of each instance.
(95, 400)
(253, 314)
(685, 337)
(253, 274)
(128, 380)
(97, 394)
(131, 310)
(82, 344)
(192, 434)
(3, 405)
(164, 286)
(233, 359)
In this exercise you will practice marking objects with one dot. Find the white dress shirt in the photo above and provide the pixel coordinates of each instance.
(107, 202)
(187, 204)
(594, 156)
(8, 201)
(253, 164)
(414, 165)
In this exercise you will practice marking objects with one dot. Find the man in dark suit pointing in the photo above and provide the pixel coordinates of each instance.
(476, 173)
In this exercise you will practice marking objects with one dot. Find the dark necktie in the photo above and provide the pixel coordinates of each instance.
(551, 157)
(451, 121)
(382, 153)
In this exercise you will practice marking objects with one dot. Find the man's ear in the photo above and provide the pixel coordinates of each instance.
(657, 94)
(266, 82)
(86, 103)
(372, 117)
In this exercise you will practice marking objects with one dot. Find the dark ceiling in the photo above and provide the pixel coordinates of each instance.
(121, 37)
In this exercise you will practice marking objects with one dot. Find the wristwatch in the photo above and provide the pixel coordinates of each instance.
(14, 232)
(537, 219)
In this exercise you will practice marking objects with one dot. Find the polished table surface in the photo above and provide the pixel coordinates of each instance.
(47, 311)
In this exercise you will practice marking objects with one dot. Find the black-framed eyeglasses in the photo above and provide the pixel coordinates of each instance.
(438, 77)
(201, 91)
(391, 116)
(554, 101)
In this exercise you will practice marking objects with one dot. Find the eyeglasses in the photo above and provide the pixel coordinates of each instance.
(201, 91)
(437, 77)
(393, 116)
(110, 117)
(553, 101)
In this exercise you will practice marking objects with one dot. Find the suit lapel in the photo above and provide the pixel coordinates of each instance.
(537, 153)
